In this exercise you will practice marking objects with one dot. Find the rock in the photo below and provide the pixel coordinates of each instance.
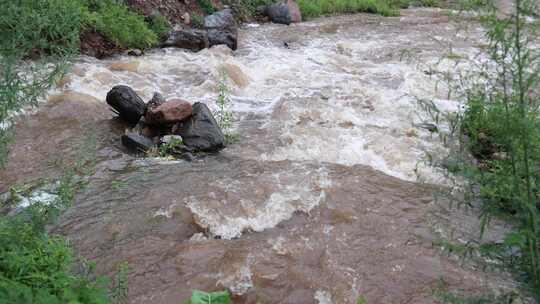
(156, 101)
(236, 74)
(186, 18)
(191, 39)
(223, 36)
(201, 132)
(127, 104)
(170, 112)
(136, 142)
(223, 19)
(135, 52)
(222, 29)
(129, 66)
(285, 12)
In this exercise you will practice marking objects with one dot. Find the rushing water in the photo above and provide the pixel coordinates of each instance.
(319, 202)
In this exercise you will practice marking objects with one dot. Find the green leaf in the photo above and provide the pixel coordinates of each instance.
(201, 297)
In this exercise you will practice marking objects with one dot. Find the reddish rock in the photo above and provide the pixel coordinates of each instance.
(170, 112)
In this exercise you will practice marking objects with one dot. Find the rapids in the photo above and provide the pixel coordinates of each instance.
(323, 199)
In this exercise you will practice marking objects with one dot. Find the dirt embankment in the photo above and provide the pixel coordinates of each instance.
(97, 45)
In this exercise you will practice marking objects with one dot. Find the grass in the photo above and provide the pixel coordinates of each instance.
(316, 8)
(206, 6)
(223, 114)
(201, 297)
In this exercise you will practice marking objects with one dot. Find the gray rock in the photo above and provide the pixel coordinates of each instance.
(201, 132)
(285, 12)
(191, 39)
(223, 36)
(223, 19)
(136, 142)
(156, 101)
(126, 103)
(222, 29)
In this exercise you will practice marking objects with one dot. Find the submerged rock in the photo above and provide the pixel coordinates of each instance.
(126, 103)
(191, 39)
(285, 12)
(201, 132)
(170, 112)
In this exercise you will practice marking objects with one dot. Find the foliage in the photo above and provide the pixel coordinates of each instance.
(201, 297)
(127, 29)
(197, 20)
(500, 127)
(170, 147)
(159, 25)
(315, 8)
(36, 267)
(119, 290)
(224, 116)
(206, 6)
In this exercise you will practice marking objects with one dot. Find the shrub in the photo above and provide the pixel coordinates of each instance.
(159, 25)
(127, 29)
(315, 8)
(501, 129)
(206, 6)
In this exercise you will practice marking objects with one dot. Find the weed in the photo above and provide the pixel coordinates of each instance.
(170, 147)
(119, 290)
(197, 20)
(316, 8)
(201, 297)
(206, 6)
(159, 25)
(224, 114)
(445, 297)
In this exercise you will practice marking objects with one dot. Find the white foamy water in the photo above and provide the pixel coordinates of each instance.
(345, 97)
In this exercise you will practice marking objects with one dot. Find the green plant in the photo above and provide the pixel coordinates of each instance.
(125, 28)
(159, 25)
(206, 6)
(197, 20)
(201, 297)
(500, 127)
(224, 116)
(315, 8)
(119, 290)
(170, 147)
(445, 297)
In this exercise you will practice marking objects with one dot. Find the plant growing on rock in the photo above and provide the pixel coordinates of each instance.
(224, 116)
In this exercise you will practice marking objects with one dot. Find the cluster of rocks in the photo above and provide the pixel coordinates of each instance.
(218, 28)
(221, 27)
(159, 121)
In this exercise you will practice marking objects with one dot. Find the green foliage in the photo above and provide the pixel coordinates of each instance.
(119, 290)
(361, 300)
(446, 297)
(197, 20)
(501, 128)
(125, 28)
(36, 267)
(201, 297)
(316, 8)
(206, 6)
(224, 116)
(159, 25)
(169, 148)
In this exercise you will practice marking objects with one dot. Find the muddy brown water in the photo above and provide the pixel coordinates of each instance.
(319, 201)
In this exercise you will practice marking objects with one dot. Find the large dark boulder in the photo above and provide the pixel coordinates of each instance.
(191, 39)
(285, 12)
(201, 132)
(126, 103)
(222, 29)
(222, 36)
